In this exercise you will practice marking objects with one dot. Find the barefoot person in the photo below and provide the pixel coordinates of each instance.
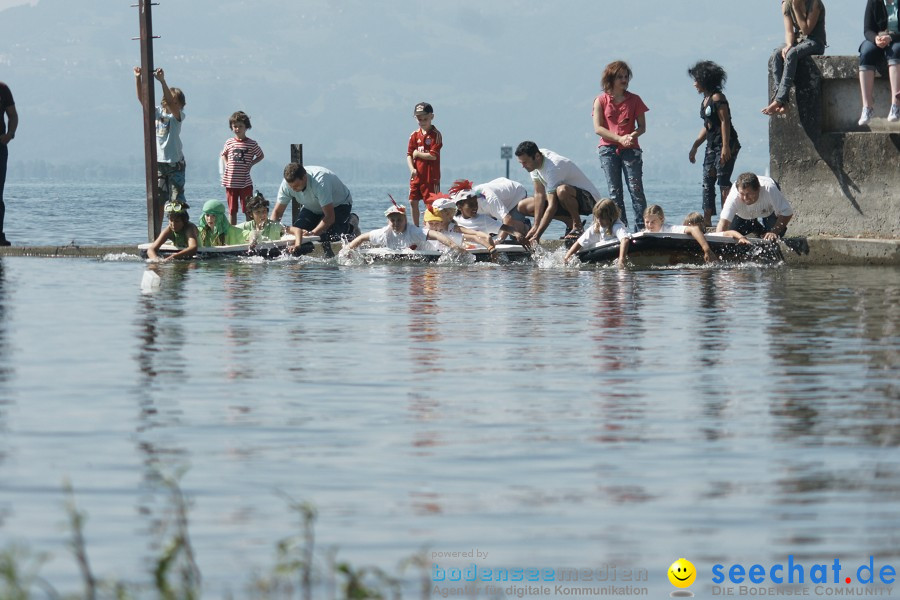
(561, 191)
(804, 35)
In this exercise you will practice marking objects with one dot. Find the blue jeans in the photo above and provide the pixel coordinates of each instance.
(871, 55)
(629, 161)
(784, 68)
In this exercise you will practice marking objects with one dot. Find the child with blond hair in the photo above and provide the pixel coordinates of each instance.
(606, 227)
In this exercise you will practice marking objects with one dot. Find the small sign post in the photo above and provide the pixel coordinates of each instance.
(506, 153)
(297, 157)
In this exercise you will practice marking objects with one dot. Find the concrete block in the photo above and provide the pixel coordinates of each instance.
(841, 179)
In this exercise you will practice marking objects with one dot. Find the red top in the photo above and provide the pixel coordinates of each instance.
(621, 118)
(427, 171)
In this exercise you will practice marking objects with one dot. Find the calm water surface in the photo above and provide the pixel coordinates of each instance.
(551, 417)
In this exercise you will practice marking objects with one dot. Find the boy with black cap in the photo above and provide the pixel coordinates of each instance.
(423, 157)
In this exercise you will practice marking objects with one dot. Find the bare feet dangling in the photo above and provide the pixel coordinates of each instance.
(775, 108)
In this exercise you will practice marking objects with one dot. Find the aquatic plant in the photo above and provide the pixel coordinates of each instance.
(19, 570)
(176, 575)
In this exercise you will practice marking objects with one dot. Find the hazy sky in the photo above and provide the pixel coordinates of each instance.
(342, 76)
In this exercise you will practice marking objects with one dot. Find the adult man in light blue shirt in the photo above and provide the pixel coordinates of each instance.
(324, 199)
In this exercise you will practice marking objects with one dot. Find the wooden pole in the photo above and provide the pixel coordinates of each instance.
(297, 157)
(154, 212)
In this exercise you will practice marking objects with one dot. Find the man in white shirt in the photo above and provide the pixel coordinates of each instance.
(561, 191)
(753, 198)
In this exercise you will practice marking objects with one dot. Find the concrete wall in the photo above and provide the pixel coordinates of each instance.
(841, 179)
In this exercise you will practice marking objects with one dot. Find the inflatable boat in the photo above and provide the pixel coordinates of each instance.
(503, 253)
(665, 249)
(264, 249)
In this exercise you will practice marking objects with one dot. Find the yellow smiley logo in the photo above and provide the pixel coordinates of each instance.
(682, 573)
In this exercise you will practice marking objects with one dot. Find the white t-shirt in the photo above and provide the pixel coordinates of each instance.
(558, 170)
(771, 200)
(479, 222)
(592, 237)
(499, 196)
(666, 228)
(411, 238)
(450, 233)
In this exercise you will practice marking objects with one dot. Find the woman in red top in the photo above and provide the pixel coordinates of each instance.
(619, 121)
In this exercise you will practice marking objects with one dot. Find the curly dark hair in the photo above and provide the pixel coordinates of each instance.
(709, 76)
(239, 117)
(257, 200)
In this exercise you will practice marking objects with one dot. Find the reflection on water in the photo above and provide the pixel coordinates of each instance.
(550, 416)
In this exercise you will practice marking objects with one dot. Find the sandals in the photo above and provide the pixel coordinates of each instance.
(574, 233)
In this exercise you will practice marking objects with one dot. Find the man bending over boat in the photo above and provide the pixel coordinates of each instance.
(561, 191)
(755, 204)
(400, 235)
(324, 199)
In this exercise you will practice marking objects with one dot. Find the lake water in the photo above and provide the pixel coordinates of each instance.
(551, 417)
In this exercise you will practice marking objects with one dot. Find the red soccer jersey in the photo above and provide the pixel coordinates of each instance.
(239, 156)
(427, 171)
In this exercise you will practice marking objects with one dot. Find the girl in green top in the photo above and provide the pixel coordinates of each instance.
(261, 229)
(215, 229)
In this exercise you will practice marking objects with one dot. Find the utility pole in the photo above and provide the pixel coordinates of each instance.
(154, 212)
(296, 157)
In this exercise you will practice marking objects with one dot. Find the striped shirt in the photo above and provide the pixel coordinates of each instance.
(239, 156)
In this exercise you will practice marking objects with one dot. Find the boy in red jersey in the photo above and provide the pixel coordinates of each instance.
(423, 156)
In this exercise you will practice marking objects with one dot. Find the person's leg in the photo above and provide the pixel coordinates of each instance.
(805, 48)
(768, 223)
(415, 196)
(745, 226)
(776, 68)
(869, 57)
(612, 168)
(710, 159)
(339, 227)
(633, 165)
(4, 156)
(526, 207)
(520, 222)
(176, 182)
(567, 210)
(245, 195)
(231, 196)
(724, 178)
(307, 219)
(892, 53)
